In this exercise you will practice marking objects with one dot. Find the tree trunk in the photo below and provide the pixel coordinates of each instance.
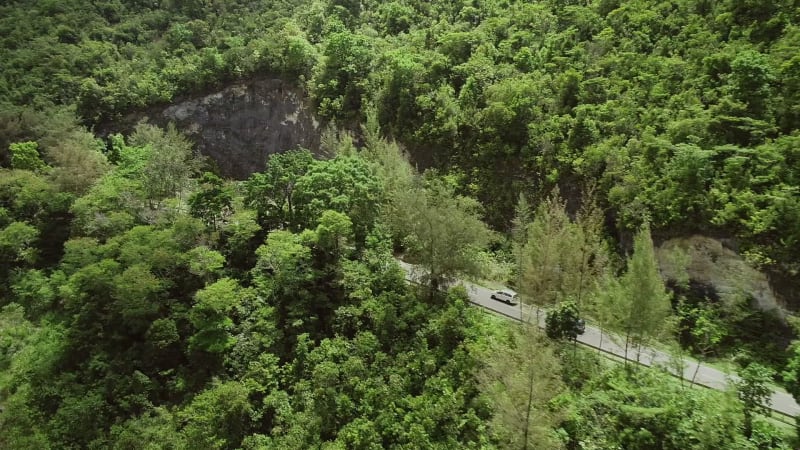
(696, 369)
(290, 210)
(433, 288)
(680, 366)
(583, 268)
(627, 341)
(748, 424)
(601, 338)
(528, 408)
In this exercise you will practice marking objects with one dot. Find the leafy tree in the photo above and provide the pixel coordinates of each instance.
(112, 206)
(211, 201)
(29, 197)
(564, 322)
(751, 76)
(707, 331)
(648, 409)
(153, 429)
(340, 81)
(30, 357)
(345, 185)
(205, 262)
(523, 216)
(169, 161)
(443, 230)
(791, 373)
(240, 238)
(25, 156)
(17, 243)
(753, 390)
(334, 232)
(137, 296)
(218, 417)
(285, 274)
(16, 330)
(543, 271)
(271, 193)
(162, 333)
(77, 161)
(34, 290)
(210, 316)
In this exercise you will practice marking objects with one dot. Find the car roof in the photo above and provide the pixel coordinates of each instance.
(507, 291)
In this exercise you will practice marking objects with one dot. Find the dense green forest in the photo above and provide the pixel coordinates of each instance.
(148, 303)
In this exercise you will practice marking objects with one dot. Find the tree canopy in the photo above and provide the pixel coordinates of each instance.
(146, 302)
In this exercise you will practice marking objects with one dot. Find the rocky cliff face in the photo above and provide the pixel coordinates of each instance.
(241, 125)
(719, 270)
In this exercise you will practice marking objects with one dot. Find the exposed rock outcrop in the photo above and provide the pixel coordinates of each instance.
(240, 126)
(714, 266)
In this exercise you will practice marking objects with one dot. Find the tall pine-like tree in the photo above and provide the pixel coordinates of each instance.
(642, 305)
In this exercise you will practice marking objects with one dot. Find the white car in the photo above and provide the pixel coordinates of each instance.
(506, 295)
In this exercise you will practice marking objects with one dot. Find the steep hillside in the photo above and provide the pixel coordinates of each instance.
(146, 302)
(683, 113)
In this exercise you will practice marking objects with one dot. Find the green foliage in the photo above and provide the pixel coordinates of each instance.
(152, 430)
(441, 230)
(648, 303)
(340, 81)
(754, 392)
(345, 185)
(169, 162)
(791, 373)
(25, 156)
(210, 315)
(751, 76)
(137, 325)
(31, 198)
(34, 291)
(522, 97)
(211, 201)
(334, 231)
(558, 259)
(523, 390)
(205, 262)
(17, 243)
(137, 293)
(563, 322)
(544, 264)
(647, 409)
(707, 331)
(271, 193)
(77, 159)
(218, 417)
(110, 207)
(111, 56)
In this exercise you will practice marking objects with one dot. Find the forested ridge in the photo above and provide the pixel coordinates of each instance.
(149, 303)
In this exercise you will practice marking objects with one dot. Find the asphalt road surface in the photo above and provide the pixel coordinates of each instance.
(781, 402)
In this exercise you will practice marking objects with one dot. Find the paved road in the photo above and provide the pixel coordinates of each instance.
(781, 402)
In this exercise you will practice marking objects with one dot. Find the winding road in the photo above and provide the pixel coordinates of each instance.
(780, 402)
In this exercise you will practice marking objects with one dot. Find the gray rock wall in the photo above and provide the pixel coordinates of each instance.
(241, 125)
(711, 264)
